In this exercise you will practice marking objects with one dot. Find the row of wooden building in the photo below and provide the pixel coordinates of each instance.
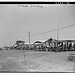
(57, 45)
(48, 45)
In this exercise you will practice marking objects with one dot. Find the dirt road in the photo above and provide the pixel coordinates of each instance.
(30, 61)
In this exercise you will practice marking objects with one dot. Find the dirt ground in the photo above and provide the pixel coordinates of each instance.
(30, 61)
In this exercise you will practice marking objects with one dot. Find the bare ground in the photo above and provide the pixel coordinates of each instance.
(30, 61)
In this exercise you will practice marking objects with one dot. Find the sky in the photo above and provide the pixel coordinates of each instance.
(16, 22)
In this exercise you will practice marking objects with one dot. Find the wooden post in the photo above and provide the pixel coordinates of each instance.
(66, 46)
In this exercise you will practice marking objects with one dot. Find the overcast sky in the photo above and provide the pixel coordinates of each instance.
(16, 22)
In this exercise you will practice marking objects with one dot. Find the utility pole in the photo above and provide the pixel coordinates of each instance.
(57, 37)
(29, 39)
(57, 34)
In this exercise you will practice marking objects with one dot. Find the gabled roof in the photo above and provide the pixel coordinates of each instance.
(51, 39)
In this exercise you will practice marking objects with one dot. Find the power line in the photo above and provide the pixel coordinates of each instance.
(53, 30)
(26, 37)
(44, 32)
(66, 26)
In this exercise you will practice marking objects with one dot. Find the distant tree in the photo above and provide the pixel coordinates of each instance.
(20, 42)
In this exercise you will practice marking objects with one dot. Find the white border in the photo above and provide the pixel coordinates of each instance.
(38, 73)
(41, 0)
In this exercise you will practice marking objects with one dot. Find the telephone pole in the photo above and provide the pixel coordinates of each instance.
(57, 37)
(57, 34)
(29, 39)
(58, 31)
